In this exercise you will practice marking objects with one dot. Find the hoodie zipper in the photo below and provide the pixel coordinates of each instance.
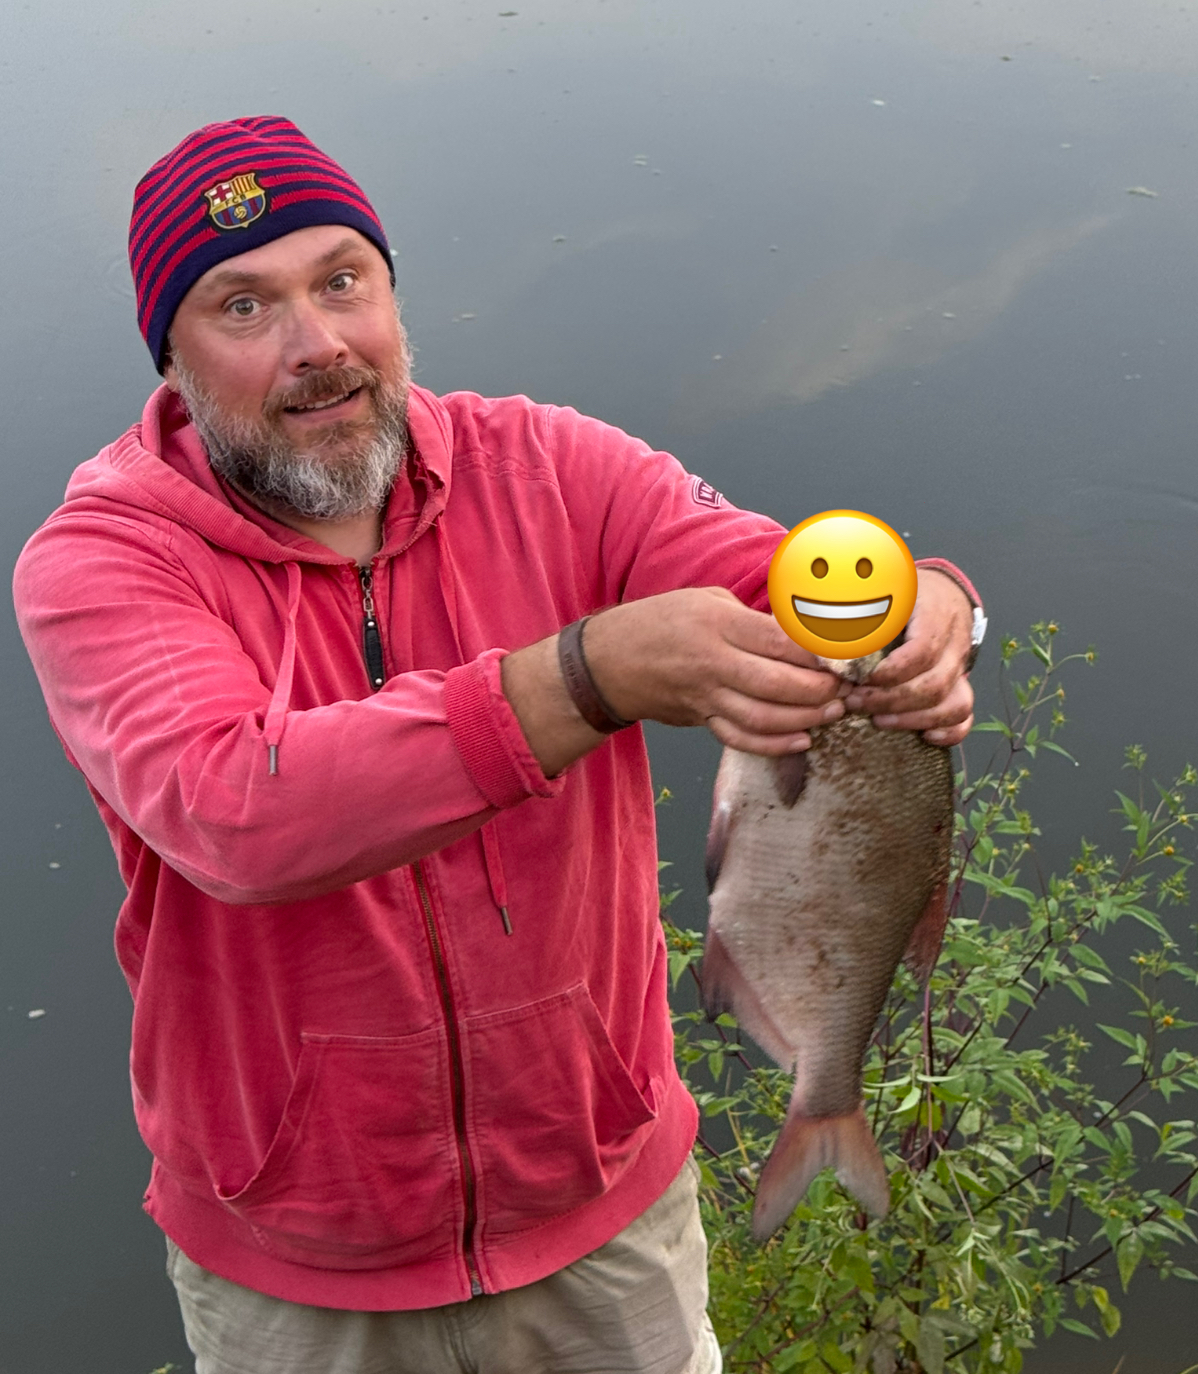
(457, 1078)
(372, 641)
(372, 651)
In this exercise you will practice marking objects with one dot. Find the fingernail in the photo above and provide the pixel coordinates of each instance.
(854, 701)
(884, 721)
(833, 711)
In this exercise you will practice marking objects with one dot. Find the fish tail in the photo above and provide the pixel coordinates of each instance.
(808, 1144)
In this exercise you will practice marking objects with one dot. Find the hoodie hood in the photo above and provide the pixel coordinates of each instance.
(160, 466)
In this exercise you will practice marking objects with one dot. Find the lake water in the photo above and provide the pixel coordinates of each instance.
(830, 253)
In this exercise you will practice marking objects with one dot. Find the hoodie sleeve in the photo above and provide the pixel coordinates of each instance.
(164, 712)
(648, 524)
(652, 527)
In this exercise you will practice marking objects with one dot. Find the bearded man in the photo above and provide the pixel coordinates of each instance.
(314, 637)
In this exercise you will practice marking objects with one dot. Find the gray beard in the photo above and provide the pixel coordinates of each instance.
(348, 473)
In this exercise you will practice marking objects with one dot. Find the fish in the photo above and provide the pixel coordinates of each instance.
(825, 869)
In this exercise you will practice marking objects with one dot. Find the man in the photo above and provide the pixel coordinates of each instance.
(401, 1047)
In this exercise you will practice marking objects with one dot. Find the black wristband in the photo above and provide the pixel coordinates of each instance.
(581, 685)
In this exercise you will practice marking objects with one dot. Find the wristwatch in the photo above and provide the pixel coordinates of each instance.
(978, 630)
(976, 635)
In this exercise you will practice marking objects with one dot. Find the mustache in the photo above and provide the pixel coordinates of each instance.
(322, 386)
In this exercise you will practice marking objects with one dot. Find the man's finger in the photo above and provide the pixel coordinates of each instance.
(763, 718)
(771, 746)
(767, 680)
(948, 737)
(919, 694)
(939, 628)
(916, 655)
(955, 707)
(759, 633)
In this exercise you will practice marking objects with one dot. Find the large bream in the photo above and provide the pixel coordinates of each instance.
(825, 868)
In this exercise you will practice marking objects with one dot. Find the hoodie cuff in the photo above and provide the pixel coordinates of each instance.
(942, 565)
(488, 736)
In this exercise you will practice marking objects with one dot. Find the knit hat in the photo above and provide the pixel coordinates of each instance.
(225, 189)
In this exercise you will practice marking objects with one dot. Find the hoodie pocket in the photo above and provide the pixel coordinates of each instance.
(557, 1116)
(362, 1172)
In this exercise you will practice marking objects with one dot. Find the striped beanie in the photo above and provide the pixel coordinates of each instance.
(225, 189)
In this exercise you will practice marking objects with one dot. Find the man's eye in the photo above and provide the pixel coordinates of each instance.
(341, 282)
(243, 308)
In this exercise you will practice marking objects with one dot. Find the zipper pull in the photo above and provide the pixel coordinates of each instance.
(372, 641)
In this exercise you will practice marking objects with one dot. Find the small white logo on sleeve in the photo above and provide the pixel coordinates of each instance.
(704, 494)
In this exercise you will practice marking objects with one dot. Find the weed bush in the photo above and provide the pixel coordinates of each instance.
(1022, 1199)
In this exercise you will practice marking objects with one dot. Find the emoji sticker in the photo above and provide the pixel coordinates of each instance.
(842, 584)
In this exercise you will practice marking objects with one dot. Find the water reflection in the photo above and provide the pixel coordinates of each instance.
(590, 203)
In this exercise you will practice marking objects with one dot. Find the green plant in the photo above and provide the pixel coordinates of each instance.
(1020, 1196)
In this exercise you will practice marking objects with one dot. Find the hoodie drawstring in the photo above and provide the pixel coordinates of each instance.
(492, 857)
(495, 872)
(280, 698)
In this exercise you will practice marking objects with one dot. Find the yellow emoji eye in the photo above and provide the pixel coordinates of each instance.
(864, 567)
(819, 567)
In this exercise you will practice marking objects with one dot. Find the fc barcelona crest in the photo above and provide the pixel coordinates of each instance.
(236, 203)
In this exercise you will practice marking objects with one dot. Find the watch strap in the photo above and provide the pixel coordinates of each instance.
(581, 685)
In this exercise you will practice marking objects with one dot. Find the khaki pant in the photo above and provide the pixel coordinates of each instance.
(634, 1306)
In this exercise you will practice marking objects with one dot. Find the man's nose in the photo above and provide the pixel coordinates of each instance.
(313, 342)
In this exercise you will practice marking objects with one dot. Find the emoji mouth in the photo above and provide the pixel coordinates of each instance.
(841, 621)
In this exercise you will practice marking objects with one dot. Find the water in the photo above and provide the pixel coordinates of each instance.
(836, 254)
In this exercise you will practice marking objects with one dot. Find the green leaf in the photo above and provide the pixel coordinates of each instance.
(1120, 1036)
(912, 1099)
(1076, 988)
(1056, 749)
(929, 1346)
(1148, 918)
(857, 1266)
(1097, 1139)
(795, 1355)
(1078, 1328)
(1111, 1318)
(835, 1358)
(1085, 955)
(1129, 1252)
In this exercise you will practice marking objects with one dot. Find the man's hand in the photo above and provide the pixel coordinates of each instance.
(696, 656)
(922, 685)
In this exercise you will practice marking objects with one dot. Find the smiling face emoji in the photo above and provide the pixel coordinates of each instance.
(842, 584)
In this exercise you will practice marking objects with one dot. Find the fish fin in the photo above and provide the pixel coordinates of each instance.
(717, 841)
(924, 947)
(807, 1144)
(790, 775)
(726, 989)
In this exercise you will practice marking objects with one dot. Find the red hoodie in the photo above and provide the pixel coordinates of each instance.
(361, 1090)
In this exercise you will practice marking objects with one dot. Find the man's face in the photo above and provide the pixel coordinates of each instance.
(294, 367)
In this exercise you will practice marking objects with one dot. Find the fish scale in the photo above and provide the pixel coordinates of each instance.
(825, 867)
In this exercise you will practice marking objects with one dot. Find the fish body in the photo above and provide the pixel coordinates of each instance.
(824, 868)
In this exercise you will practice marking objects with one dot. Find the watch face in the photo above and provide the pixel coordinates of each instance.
(978, 632)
